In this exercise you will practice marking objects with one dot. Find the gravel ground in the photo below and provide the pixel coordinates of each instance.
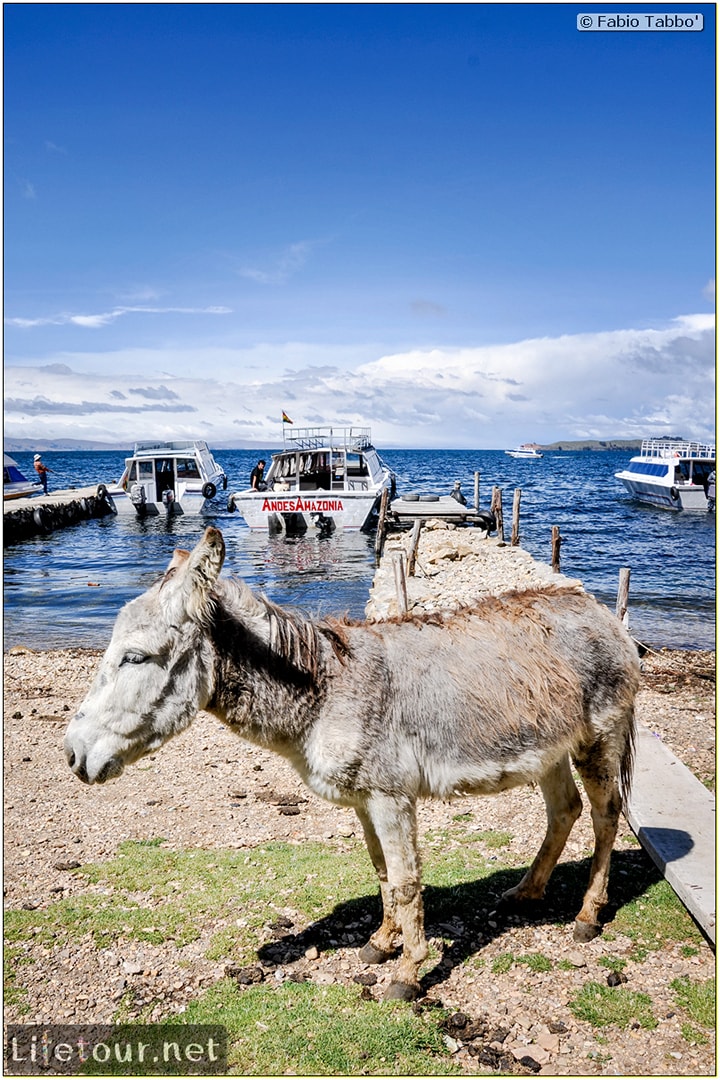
(52, 821)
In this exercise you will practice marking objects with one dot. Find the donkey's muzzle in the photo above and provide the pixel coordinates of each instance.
(94, 764)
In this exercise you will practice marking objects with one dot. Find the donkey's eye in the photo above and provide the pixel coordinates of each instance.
(134, 658)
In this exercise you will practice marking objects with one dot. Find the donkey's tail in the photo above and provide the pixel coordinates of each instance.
(627, 763)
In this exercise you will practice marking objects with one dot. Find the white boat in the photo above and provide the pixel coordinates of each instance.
(166, 478)
(525, 450)
(15, 484)
(323, 478)
(672, 473)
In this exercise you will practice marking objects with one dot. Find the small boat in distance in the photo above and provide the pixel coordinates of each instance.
(672, 473)
(15, 484)
(165, 478)
(530, 451)
(323, 478)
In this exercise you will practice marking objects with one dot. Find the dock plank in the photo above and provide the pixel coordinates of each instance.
(673, 816)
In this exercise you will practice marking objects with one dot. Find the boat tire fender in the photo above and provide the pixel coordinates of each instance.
(42, 520)
(231, 504)
(101, 491)
(674, 493)
(209, 491)
(224, 482)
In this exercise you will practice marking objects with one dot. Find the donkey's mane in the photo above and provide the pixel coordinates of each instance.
(291, 636)
(296, 640)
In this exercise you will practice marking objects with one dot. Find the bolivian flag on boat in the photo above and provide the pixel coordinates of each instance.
(286, 418)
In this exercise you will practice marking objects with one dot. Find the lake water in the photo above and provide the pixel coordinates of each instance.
(65, 589)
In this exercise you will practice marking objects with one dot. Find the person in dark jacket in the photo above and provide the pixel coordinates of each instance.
(256, 476)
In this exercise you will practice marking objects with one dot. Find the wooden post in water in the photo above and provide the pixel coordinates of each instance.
(477, 491)
(556, 542)
(414, 541)
(400, 582)
(515, 534)
(496, 509)
(380, 534)
(621, 609)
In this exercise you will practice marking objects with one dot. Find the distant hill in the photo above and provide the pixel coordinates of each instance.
(595, 444)
(45, 446)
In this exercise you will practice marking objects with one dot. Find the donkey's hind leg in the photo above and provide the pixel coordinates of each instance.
(392, 821)
(383, 943)
(599, 774)
(563, 806)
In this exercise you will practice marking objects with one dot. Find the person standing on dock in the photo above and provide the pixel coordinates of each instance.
(42, 471)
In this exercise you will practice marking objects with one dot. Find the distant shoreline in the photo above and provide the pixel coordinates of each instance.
(58, 446)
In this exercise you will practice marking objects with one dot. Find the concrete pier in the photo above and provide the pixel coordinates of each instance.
(23, 518)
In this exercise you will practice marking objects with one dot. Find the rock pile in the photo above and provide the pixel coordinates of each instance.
(453, 567)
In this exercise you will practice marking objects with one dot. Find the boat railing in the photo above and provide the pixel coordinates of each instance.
(324, 438)
(164, 447)
(676, 448)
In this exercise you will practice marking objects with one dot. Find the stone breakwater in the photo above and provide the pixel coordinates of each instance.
(453, 568)
(24, 518)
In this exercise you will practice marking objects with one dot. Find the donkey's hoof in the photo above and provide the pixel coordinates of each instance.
(399, 991)
(585, 931)
(370, 954)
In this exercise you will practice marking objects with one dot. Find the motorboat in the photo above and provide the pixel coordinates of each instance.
(15, 484)
(528, 451)
(672, 473)
(323, 478)
(165, 478)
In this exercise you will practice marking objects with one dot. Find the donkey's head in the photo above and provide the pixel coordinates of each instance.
(157, 671)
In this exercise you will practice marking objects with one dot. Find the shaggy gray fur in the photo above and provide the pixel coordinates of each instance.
(375, 716)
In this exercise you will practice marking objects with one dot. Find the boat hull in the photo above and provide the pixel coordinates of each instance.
(188, 503)
(299, 511)
(21, 491)
(669, 497)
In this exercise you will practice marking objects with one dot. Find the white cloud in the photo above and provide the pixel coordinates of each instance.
(618, 383)
(104, 318)
(709, 291)
(288, 263)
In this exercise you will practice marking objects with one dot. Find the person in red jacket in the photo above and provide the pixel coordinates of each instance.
(42, 471)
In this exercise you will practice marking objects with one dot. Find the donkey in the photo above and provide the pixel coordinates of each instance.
(378, 715)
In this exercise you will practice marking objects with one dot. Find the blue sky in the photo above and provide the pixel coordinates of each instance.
(465, 225)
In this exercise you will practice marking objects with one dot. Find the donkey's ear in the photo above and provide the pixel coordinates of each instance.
(206, 559)
(179, 557)
(190, 577)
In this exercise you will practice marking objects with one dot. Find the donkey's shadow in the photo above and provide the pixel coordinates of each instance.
(471, 914)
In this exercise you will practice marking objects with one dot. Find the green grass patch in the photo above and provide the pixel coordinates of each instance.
(502, 963)
(535, 961)
(14, 993)
(697, 998)
(654, 919)
(321, 1030)
(613, 963)
(603, 1005)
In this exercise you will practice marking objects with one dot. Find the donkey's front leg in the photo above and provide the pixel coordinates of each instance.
(383, 943)
(393, 824)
